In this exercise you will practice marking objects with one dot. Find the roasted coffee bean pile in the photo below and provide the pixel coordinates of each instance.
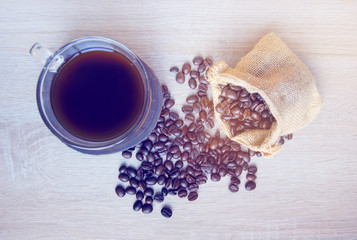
(180, 154)
(244, 110)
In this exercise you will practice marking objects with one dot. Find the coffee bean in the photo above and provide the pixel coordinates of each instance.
(179, 164)
(137, 205)
(289, 136)
(150, 181)
(146, 165)
(251, 177)
(139, 195)
(252, 169)
(250, 186)
(168, 165)
(149, 192)
(158, 197)
(146, 208)
(186, 68)
(203, 87)
(130, 190)
(238, 171)
(189, 118)
(197, 61)
(215, 177)
(192, 196)
(233, 187)
(186, 109)
(180, 78)
(201, 68)
(201, 179)
(126, 154)
(174, 116)
(214, 144)
(235, 180)
(139, 156)
(196, 107)
(120, 191)
(182, 193)
(208, 62)
(164, 191)
(169, 103)
(190, 178)
(194, 74)
(193, 187)
(174, 173)
(192, 83)
(174, 69)
(166, 212)
(123, 177)
(122, 169)
(192, 99)
(134, 183)
(222, 172)
(140, 174)
(210, 123)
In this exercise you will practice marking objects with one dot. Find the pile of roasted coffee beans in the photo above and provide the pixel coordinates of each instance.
(181, 154)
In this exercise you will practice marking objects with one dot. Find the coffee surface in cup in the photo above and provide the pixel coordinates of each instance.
(97, 95)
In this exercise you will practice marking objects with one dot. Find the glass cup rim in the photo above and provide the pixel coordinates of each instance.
(66, 136)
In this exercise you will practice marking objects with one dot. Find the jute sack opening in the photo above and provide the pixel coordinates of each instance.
(285, 83)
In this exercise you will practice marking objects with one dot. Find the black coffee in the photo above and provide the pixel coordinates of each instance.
(97, 95)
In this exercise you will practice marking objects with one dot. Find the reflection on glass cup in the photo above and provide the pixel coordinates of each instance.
(96, 95)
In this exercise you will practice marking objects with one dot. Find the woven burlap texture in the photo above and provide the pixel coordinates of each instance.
(285, 83)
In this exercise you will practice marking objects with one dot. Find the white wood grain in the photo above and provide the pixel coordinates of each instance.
(48, 191)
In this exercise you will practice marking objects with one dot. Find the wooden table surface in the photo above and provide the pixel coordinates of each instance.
(309, 191)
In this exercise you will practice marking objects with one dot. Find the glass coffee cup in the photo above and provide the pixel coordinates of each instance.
(96, 95)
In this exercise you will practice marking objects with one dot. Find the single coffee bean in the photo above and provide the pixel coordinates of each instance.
(238, 171)
(149, 192)
(189, 118)
(180, 78)
(178, 164)
(208, 62)
(193, 187)
(122, 169)
(139, 156)
(192, 99)
(166, 212)
(186, 68)
(169, 103)
(214, 144)
(222, 172)
(215, 177)
(123, 177)
(164, 191)
(233, 187)
(142, 185)
(146, 208)
(137, 205)
(197, 61)
(201, 179)
(194, 74)
(250, 186)
(192, 196)
(235, 180)
(174, 69)
(146, 165)
(130, 190)
(186, 109)
(174, 116)
(126, 154)
(210, 123)
(174, 173)
(161, 179)
(202, 79)
(120, 191)
(139, 195)
(196, 107)
(168, 165)
(150, 181)
(190, 178)
(131, 172)
(203, 87)
(201, 68)
(245, 166)
(252, 169)
(133, 182)
(192, 83)
(251, 177)
(182, 193)
(158, 197)
(289, 136)
(149, 200)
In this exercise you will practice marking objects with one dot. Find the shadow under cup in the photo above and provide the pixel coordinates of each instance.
(98, 97)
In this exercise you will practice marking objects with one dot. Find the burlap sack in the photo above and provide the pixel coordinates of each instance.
(285, 83)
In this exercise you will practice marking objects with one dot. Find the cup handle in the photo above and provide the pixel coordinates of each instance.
(44, 55)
